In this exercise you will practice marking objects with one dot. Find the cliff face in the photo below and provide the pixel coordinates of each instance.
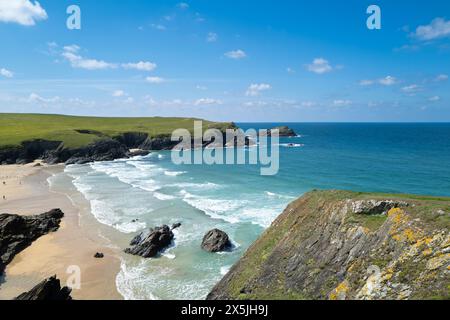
(344, 245)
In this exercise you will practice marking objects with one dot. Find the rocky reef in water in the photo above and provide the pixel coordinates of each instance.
(346, 245)
(18, 232)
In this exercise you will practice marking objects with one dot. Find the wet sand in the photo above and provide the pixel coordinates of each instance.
(73, 246)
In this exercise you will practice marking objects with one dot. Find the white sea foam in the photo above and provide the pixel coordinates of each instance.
(197, 186)
(260, 216)
(224, 270)
(131, 283)
(162, 196)
(105, 214)
(174, 173)
(215, 208)
(277, 195)
(291, 145)
(168, 255)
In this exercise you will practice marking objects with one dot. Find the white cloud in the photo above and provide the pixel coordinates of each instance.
(412, 89)
(35, 98)
(388, 81)
(155, 80)
(308, 104)
(319, 66)
(441, 77)
(159, 27)
(72, 48)
(256, 103)
(256, 89)
(207, 102)
(236, 54)
(142, 66)
(119, 93)
(212, 37)
(203, 88)
(24, 12)
(70, 53)
(438, 28)
(183, 5)
(6, 73)
(366, 82)
(434, 99)
(129, 100)
(342, 103)
(290, 70)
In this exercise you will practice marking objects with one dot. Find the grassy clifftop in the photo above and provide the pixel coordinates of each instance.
(76, 131)
(346, 245)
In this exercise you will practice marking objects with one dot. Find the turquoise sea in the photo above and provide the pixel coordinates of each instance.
(394, 158)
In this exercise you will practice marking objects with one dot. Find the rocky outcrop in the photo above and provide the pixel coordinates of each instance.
(133, 140)
(27, 152)
(344, 245)
(375, 207)
(158, 143)
(283, 131)
(18, 232)
(102, 150)
(215, 241)
(105, 148)
(149, 243)
(49, 289)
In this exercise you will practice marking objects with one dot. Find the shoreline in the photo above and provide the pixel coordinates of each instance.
(28, 192)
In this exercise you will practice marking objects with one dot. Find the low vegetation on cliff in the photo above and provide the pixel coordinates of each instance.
(76, 132)
(346, 245)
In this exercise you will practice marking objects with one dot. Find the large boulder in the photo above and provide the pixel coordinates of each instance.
(215, 241)
(149, 243)
(49, 289)
(18, 232)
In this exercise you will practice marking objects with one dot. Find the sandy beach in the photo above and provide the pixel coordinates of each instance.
(24, 190)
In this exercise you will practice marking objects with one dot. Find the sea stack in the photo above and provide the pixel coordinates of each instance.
(215, 241)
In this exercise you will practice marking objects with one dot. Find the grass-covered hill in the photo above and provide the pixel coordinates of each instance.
(76, 131)
(348, 245)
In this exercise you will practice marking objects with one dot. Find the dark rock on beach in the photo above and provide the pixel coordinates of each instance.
(18, 232)
(149, 243)
(99, 255)
(215, 241)
(49, 289)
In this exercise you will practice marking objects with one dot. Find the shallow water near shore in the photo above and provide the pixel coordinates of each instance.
(127, 196)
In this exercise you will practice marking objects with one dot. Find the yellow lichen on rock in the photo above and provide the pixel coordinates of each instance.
(439, 261)
(340, 293)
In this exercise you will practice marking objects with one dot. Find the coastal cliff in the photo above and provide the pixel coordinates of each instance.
(69, 139)
(345, 245)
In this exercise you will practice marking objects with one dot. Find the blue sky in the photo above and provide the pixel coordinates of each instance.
(247, 60)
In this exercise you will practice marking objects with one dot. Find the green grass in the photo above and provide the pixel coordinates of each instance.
(17, 128)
